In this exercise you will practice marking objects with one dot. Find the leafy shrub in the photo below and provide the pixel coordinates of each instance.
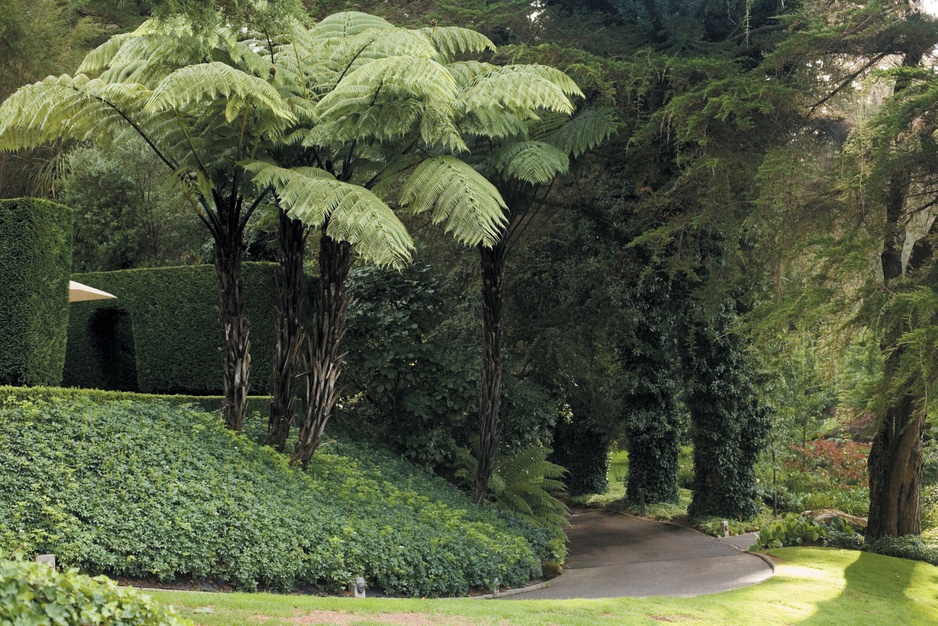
(829, 464)
(848, 540)
(34, 593)
(911, 547)
(791, 530)
(144, 489)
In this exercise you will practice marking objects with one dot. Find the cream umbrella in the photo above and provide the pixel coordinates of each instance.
(80, 293)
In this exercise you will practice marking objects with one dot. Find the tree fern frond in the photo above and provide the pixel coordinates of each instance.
(520, 89)
(206, 82)
(531, 161)
(353, 52)
(347, 24)
(465, 72)
(588, 129)
(387, 79)
(564, 82)
(493, 124)
(350, 213)
(451, 41)
(461, 199)
(67, 108)
(102, 56)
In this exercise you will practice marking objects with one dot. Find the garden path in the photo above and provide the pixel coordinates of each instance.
(614, 556)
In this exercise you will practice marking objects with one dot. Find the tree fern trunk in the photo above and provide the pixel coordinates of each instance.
(235, 339)
(493, 267)
(289, 330)
(324, 361)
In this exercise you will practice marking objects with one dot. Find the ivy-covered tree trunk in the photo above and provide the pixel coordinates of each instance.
(235, 340)
(324, 361)
(895, 461)
(650, 385)
(728, 424)
(289, 330)
(493, 270)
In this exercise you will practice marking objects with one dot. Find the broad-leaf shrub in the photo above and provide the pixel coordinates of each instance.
(36, 594)
(795, 530)
(144, 489)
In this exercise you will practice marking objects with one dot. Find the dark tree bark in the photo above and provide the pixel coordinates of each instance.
(493, 269)
(228, 237)
(324, 361)
(289, 330)
(895, 461)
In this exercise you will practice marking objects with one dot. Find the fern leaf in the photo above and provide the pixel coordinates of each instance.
(531, 161)
(350, 213)
(588, 129)
(519, 89)
(207, 82)
(451, 41)
(468, 205)
(347, 24)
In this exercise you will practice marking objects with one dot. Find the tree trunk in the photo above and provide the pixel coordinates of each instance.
(493, 268)
(235, 340)
(289, 330)
(895, 461)
(324, 361)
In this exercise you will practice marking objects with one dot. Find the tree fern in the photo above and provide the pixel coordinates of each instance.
(468, 205)
(347, 24)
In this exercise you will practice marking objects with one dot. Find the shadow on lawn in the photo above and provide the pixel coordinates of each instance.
(876, 592)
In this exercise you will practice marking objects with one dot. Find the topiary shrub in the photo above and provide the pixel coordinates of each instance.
(176, 335)
(34, 593)
(35, 260)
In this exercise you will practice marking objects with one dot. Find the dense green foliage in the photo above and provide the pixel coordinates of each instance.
(728, 421)
(36, 259)
(581, 449)
(795, 530)
(36, 594)
(144, 489)
(162, 335)
(126, 214)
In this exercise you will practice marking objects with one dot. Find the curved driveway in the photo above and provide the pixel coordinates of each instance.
(613, 556)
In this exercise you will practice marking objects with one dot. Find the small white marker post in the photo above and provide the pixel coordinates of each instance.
(725, 525)
(359, 587)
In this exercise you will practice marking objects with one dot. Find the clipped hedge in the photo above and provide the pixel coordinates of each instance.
(33, 593)
(176, 335)
(146, 489)
(35, 262)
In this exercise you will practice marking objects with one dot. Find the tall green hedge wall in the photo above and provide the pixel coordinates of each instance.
(35, 263)
(163, 334)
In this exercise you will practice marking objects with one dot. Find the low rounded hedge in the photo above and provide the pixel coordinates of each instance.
(36, 594)
(143, 489)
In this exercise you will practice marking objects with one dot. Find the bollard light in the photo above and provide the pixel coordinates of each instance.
(360, 587)
(725, 525)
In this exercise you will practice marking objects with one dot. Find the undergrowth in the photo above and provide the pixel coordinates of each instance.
(143, 489)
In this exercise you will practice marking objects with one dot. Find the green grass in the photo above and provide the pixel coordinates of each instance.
(814, 586)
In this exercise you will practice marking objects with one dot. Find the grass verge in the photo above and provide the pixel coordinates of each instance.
(814, 586)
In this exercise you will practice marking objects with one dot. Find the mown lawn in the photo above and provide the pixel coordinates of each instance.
(811, 586)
